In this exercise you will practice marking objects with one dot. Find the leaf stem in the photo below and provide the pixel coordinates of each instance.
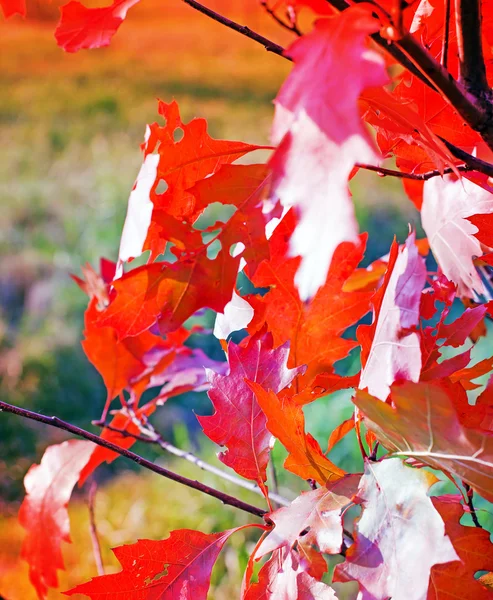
(140, 460)
(470, 504)
(93, 530)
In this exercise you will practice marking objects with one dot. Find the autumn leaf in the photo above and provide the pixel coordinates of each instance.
(13, 7)
(286, 422)
(313, 519)
(82, 27)
(318, 130)
(423, 423)
(238, 422)
(400, 535)
(314, 329)
(123, 422)
(475, 552)
(447, 204)
(395, 350)
(177, 567)
(43, 513)
(284, 577)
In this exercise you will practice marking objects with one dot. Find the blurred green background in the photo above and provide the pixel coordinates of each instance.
(70, 129)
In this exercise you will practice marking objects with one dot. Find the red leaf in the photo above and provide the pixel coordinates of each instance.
(456, 580)
(284, 577)
(121, 420)
(177, 567)
(82, 27)
(457, 332)
(13, 7)
(400, 535)
(312, 519)
(43, 512)
(238, 422)
(180, 165)
(447, 205)
(423, 423)
(170, 292)
(286, 422)
(314, 329)
(395, 353)
(339, 432)
(314, 138)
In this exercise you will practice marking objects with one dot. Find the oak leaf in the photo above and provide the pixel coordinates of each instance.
(177, 567)
(400, 535)
(82, 27)
(238, 422)
(475, 552)
(395, 349)
(286, 422)
(318, 130)
(43, 513)
(423, 423)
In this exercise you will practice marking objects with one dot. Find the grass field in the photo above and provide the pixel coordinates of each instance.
(70, 129)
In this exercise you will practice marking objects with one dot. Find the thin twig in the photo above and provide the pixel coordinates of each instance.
(156, 438)
(275, 484)
(292, 26)
(470, 504)
(446, 35)
(147, 464)
(269, 45)
(383, 172)
(96, 546)
(472, 68)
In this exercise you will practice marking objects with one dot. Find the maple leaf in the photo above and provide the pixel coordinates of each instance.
(423, 423)
(238, 422)
(474, 549)
(177, 567)
(314, 518)
(400, 535)
(43, 513)
(286, 422)
(318, 128)
(394, 352)
(283, 577)
(13, 7)
(82, 27)
(447, 204)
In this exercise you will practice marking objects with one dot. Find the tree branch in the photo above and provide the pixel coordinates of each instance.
(152, 436)
(143, 462)
(473, 112)
(414, 176)
(471, 59)
(446, 36)
(269, 45)
(470, 504)
(476, 164)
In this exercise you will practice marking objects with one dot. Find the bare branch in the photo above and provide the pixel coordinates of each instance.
(140, 460)
(269, 45)
(96, 546)
(383, 172)
(471, 59)
(446, 35)
(152, 436)
(476, 164)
